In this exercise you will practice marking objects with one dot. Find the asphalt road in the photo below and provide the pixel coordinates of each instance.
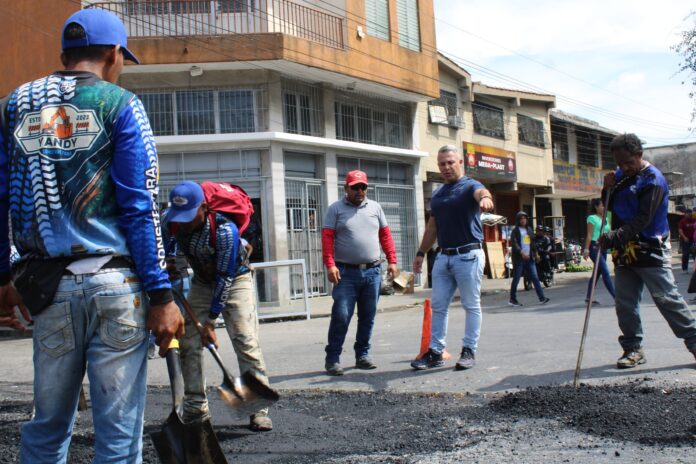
(506, 409)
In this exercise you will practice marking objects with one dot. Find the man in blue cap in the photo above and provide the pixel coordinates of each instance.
(79, 177)
(222, 285)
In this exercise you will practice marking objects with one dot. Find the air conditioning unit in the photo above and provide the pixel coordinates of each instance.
(455, 120)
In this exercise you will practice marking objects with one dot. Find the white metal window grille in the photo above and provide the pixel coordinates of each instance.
(391, 185)
(377, 18)
(377, 122)
(195, 112)
(302, 108)
(409, 30)
(235, 6)
(205, 111)
(158, 107)
(237, 112)
(530, 131)
(587, 148)
(488, 120)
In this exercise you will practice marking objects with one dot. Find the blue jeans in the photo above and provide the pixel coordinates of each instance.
(603, 271)
(356, 286)
(660, 282)
(519, 268)
(461, 271)
(96, 323)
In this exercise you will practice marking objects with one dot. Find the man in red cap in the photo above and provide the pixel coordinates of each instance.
(354, 229)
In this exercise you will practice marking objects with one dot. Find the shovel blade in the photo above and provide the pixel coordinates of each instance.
(169, 442)
(246, 395)
(201, 444)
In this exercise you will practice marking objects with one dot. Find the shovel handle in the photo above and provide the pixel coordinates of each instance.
(176, 378)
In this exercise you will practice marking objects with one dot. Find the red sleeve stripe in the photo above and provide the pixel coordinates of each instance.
(385, 239)
(327, 246)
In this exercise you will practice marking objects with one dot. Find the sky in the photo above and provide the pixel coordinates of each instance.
(609, 61)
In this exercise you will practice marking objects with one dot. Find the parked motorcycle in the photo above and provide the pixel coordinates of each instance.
(545, 273)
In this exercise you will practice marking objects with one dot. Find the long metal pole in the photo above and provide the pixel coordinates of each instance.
(588, 310)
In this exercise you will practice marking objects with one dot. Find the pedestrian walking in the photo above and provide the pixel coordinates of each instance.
(594, 224)
(455, 223)
(222, 285)
(524, 259)
(80, 181)
(354, 229)
(642, 258)
(687, 228)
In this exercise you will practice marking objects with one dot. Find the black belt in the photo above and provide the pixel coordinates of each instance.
(361, 266)
(461, 250)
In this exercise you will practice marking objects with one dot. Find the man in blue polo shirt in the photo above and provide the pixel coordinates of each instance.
(455, 222)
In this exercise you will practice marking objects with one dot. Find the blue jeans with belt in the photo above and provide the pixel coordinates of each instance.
(461, 271)
(96, 323)
(603, 271)
(359, 286)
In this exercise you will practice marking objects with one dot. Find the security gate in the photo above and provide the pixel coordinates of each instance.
(305, 208)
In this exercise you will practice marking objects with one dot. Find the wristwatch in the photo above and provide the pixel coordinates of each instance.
(420, 253)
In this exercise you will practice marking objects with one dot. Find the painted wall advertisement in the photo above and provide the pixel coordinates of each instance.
(489, 162)
(577, 178)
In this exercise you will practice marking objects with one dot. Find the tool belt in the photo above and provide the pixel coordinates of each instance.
(361, 266)
(461, 250)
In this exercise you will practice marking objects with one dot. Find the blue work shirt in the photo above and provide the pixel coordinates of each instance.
(457, 213)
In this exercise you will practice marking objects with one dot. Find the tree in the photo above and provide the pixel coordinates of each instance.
(687, 49)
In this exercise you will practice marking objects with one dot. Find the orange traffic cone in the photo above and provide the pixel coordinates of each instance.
(425, 332)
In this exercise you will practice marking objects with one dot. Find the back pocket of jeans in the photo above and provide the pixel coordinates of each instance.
(54, 330)
(122, 319)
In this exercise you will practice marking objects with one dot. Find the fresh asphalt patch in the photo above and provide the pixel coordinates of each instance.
(388, 427)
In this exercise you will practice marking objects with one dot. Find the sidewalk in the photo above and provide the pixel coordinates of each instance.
(321, 306)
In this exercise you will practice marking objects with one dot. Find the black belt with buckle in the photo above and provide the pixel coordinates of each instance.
(361, 266)
(461, 250)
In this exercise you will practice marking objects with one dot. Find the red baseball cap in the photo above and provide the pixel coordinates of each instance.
(356, 177)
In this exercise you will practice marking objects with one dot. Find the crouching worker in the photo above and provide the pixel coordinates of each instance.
(222, 284)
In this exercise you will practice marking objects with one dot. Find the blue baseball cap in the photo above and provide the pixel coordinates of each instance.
(185, 198)
(101, 28)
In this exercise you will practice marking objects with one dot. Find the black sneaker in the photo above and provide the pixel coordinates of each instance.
(334, 369)
(631, 358)
(429, 360)
(365, 363)
(467, 360)
(544, 300)
(514, 303)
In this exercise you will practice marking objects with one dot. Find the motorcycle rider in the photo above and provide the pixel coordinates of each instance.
(544, 247)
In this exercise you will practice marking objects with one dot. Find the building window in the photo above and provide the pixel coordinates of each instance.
(237, 112)
(204, 111)
(235, 6)
(377, 18)
(530, 131)
(378, 123)
(488, 120)
(559, 136)
(608, 161)
(195, 112)
(302, 109)
(445, 110)
(587, 148)
(158, 107)
(409, 30)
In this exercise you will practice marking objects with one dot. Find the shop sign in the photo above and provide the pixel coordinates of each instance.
(489, 162)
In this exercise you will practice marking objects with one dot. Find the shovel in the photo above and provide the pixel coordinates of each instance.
(246, 395)
(179, 443)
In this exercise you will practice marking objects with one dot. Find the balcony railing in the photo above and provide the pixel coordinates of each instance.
(185, 18)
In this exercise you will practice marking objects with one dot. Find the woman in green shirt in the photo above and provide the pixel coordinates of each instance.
(594, 222)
